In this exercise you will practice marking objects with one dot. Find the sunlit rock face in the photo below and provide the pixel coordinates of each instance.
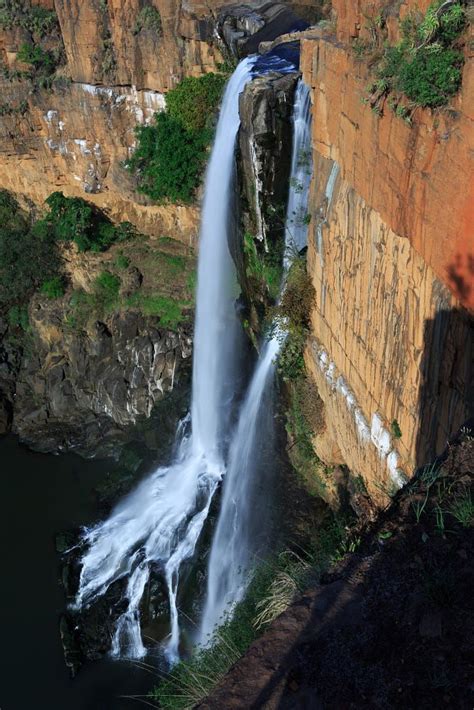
(389, 254)
(117, 69)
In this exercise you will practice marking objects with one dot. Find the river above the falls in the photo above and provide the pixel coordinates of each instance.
(41, 496)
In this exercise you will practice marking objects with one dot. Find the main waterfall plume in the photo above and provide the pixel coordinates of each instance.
(158, 525)
(233, 546)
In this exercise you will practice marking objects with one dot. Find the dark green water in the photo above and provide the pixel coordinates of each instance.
(40, 496)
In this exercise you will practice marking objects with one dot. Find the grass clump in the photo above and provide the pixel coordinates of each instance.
(169, 311)
(462, 510)
(425, 67)
(171, 153)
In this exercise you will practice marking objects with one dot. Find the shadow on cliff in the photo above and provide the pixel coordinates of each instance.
(461, 277)
(446, 397)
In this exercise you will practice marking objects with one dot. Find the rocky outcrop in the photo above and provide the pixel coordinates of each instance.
(263, 166)
(81, 389)
(266, 107)
(389, 252)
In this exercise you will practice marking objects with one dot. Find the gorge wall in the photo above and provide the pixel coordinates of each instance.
(120, 58)
(391, 259)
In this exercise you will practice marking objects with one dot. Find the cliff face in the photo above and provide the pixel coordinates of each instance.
(75, 135)
(120, 59)
(390, 255)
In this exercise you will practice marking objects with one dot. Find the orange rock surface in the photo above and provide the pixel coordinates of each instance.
(391, 255)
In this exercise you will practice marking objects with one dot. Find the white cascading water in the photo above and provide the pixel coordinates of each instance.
(301, 171)
(159, 523)
(233, 549)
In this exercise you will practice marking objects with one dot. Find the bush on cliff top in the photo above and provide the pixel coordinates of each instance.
(171, 153)
(425, 66)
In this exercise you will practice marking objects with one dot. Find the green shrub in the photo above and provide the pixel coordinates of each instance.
(74, 219)
(18, 317)
(53, 288)
(106, 292)
(291, 358)
(171, 153)
(424, 66)
(396, 431)
(194, 100)
(122, 261)
(148, 18)
(28, 254)
(168, 160)
(33, 54)
(432, 76)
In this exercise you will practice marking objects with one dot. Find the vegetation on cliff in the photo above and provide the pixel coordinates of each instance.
(28, 255)
(425, 67)
(74, 219)
(42, 49)
(275, 584)
(148, 18)
(171, 153)
(156, 281)
(36, 20)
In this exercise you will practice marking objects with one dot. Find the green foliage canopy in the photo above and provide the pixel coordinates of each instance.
(28, 253)
(171, 153)
(74, 219)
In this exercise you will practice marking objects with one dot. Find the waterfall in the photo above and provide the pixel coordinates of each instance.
(233, 546)
(158, 524)
(301, 171)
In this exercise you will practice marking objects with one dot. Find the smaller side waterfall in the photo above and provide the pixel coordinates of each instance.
(233, 546)
(301, 171)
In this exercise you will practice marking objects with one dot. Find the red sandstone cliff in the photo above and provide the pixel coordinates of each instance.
(391, 257)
